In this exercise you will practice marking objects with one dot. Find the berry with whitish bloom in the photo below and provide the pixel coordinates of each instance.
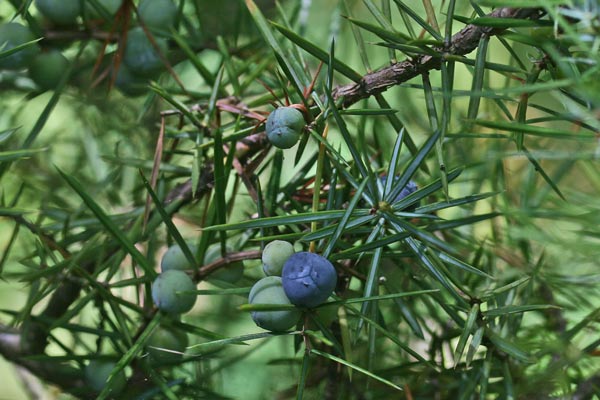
(97, 373)
(174, 258)
(410, 188)
(275, 255)
(168, 292)
(269, 290)
(12, 35)
(166, 345)
(284, 126)
(308, 279)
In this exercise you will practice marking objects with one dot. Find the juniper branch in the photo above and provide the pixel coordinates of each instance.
(462, 43)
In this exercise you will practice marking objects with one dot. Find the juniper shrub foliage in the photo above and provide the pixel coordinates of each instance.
(472, 274)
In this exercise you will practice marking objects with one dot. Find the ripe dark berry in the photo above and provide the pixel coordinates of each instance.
(284, 126)
(308, 279)
(409, 188)
(168, 292)
(275, 255)
(269, 290)
(13, 35)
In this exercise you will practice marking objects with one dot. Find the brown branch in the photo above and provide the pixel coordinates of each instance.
(463, 42)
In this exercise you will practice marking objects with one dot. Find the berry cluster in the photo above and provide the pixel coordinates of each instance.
(173, 293)
(306, 281)
(172, 290)
(145, 44)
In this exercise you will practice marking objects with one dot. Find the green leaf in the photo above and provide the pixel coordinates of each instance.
(128, 357)
(468, 328)
(171, 228)
(379, 297)
(368, 111)
(283, 220)
(293, 69)
(239, 340)
(16, 49)
(266, 307)
(420, 21)
(339, 230)
(519, 3)
(414, 164)
(511, 349)
(541, 131)
(355, 367)
(494, 292)
(448, 259)
(114, 230)
(177, 104)
(474, 345)
(385, 34)
(506, 310)
(303, 375)
(318, 53)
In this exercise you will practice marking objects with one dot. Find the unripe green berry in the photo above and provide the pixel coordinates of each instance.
(168, 292)
(284, 126)
(109, 6)
(60, 12)
(269, 290)
(140, 56)
(47, 69)
(97, 373)
(158, 15)
(166, 345)
(275, 255)
(131, 84)
(12, 35)
(230, 273)
(174, 258)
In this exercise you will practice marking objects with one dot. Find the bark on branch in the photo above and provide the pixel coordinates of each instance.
(463, 42)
